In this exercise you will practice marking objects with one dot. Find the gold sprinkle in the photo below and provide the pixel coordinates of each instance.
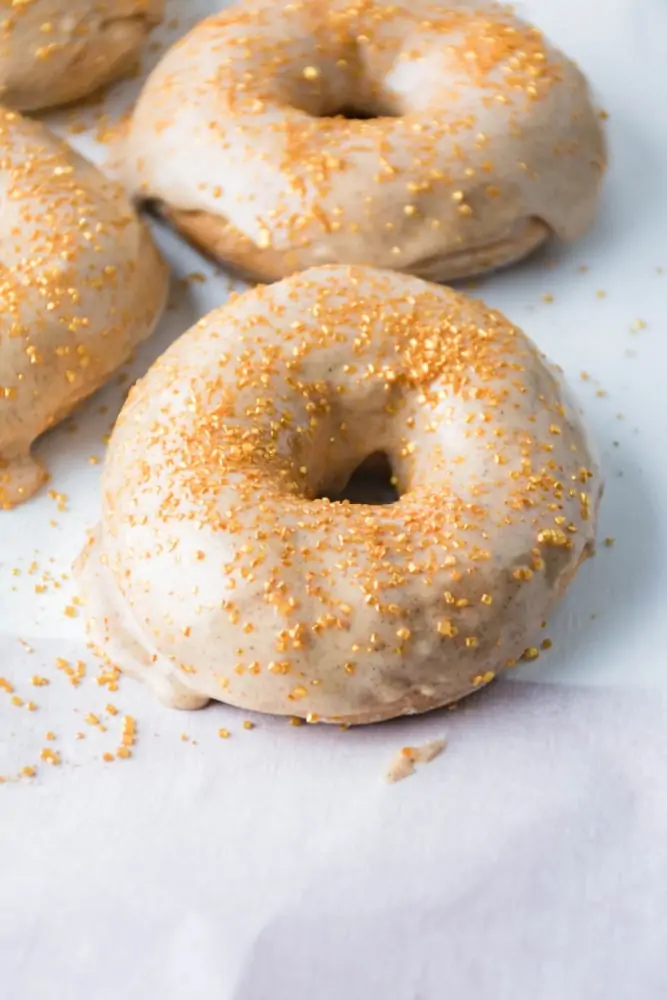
(484, 678)
(531, 653)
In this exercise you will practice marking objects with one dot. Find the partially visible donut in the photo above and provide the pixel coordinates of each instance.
(81, 284)
(221, 570)
(56, 51)
(482, 139)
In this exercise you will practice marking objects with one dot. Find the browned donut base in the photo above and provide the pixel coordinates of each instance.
(221, 240)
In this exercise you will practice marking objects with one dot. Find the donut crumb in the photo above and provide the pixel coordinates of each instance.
(403, 764)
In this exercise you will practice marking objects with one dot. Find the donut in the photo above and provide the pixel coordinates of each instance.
(221, 569)
(438, 140)
(81, 285)
(56, 51)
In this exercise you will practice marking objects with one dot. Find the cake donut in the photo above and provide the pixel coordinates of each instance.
(55, 51)
(81, 285)
(430, 138)
(221, 568)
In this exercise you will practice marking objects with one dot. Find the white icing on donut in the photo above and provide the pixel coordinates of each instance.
(217, 573)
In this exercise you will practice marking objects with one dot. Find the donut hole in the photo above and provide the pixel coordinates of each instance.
(358, 112)
(370, 483)
(353, 98)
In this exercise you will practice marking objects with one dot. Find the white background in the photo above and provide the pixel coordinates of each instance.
(529, 862)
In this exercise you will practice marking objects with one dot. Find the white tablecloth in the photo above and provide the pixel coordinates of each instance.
(529, 861)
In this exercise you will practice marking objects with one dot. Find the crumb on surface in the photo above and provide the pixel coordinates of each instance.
(403, 764)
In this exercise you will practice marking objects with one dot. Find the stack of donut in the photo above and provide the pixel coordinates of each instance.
(326, 146)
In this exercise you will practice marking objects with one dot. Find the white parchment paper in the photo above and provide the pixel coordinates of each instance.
(529, 861)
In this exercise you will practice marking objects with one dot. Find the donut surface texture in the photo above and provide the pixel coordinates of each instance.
(479, 138)
(221, 569)
(81, 285)
(56, 51)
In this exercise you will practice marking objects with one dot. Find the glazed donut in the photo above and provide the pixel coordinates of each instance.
(55, 51)
(437, 140)
(81, 284)
(222, 570)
